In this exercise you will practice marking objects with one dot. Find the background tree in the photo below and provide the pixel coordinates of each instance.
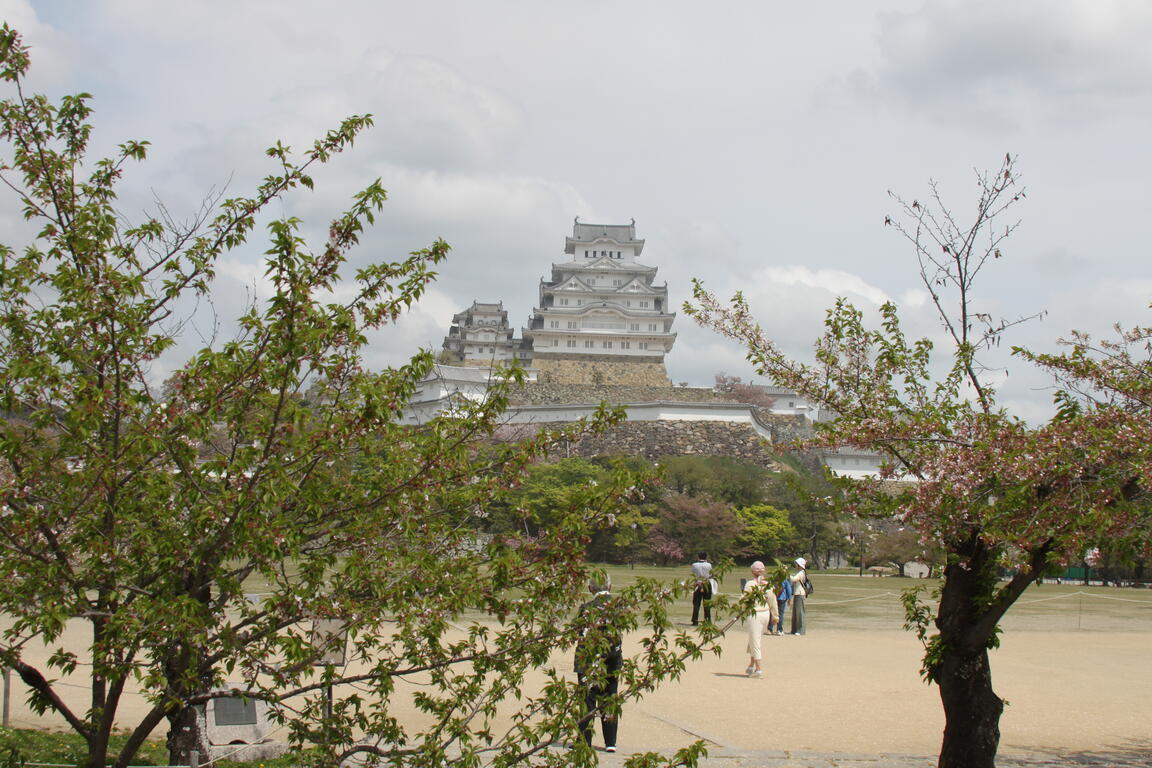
(808, 499)
(152, 519)
(989, 489)
(698, 524)
(544, 496)
(722, 478)
(734, 389)
(897, 545)
(767, 532)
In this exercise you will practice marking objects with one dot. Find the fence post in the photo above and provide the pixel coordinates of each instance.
(193, 758)
(7, 695)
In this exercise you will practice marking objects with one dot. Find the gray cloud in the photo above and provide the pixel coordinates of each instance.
(996, 64)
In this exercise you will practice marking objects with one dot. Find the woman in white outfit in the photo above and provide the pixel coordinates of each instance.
(766, 614)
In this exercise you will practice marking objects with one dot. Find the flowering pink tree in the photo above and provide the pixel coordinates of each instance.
(998, 496)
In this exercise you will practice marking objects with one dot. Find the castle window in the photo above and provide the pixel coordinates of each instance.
(571, 342)
(563, 302)
(651, 326)
(555, 342)
(633, 326)
(553, 323)
(572, 323)
(625, 345)
(644, 304)
(643, 345)
(607, 345)
(589, 344)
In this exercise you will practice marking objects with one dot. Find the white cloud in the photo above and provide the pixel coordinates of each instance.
(833, 281)
(251, 277)
(914, 298)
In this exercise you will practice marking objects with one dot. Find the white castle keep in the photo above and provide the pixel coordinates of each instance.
(600, 317)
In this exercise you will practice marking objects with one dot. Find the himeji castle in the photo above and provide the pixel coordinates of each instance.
(600, 332)
(601, 319)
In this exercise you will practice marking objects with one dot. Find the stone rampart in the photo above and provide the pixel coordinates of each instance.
(653, 439)
(600, 370)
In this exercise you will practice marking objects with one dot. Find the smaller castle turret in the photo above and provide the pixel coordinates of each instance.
(480, 336)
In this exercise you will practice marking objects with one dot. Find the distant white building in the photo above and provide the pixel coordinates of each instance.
(445, 387)
(847, 461)
(844, 461)
(789, 403)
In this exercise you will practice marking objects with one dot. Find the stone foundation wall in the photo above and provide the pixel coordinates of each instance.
(601, 370)
(555, 392)
(656, 439)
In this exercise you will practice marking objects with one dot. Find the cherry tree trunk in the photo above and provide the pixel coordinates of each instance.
(971, 710)
(962, 669)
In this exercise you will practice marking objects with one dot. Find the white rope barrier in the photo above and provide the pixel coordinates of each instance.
(818, 601)
(1095, 596)
(1080, 593)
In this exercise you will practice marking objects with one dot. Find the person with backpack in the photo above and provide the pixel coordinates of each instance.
(801, 588)
(598, 661)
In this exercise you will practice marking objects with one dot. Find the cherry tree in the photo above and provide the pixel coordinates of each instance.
(1003, 500)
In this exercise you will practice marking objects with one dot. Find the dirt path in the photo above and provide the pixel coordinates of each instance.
(1068, 691)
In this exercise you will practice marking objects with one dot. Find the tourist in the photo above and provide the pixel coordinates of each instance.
(702, 591)
(763, 617)
(799, 580)
(598, 661)
(783, 597)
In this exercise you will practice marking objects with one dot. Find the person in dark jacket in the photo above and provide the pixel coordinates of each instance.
(598, 661)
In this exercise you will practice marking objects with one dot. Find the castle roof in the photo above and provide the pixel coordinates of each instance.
(621, 234)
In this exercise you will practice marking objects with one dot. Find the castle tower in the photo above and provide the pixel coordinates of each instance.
(480, 336)
(600, 320)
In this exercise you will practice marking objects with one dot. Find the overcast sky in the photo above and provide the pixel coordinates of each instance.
(753, 142)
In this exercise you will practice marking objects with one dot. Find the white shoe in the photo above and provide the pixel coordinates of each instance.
(749, 670)
(609, 749)
(757, 673)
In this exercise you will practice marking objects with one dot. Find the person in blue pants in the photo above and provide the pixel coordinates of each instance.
(783, 597)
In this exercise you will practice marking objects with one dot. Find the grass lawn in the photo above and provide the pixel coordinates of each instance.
(20, 745)
(850, 601)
